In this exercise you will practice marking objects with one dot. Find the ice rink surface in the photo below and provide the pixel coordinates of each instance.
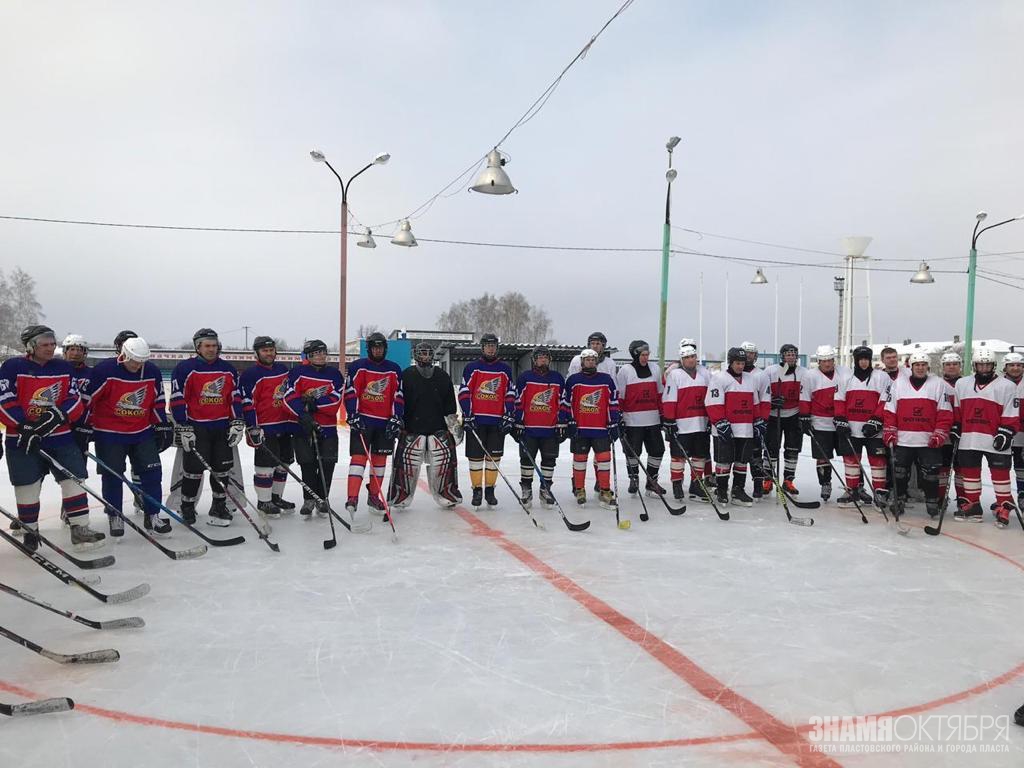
(478, 640)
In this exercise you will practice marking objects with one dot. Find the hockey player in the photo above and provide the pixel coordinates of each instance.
(859, 403)
(763, 383)
(786, 379)
(432, 432)
(314, 397)
(952, 370)
(685, 421)
(917, 418)
(39, 400)
(590, 411)
(596, 341)
(374, 407)
(738, 417)
(537, 428)
(639, 388)
(817, 414)
(1013, 369)
(487, 397)
(891, 364)
(988, 417)
(207, 410)
(270, 426)
(75, 350)
(128, 415)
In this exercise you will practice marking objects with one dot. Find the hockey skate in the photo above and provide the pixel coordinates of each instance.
(307, 508)
(84, 538)
(219, 515)
(478, 497)
(188, 512)
(607, 499)
(826, 492)
(286, 507)
(268, 509)
(581, 496)
(489, 497)
(31, 533)
(116, 526)
(653, 488)
(1003, 514)
(677, 490)
(158, 525)
(526, 494)
(547, 499)
(846, 500)
(740, 497)
(968, 512)
(698, 493)
(790, 488)
(634, 484)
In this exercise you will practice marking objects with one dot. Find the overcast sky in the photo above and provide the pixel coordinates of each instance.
(801, 122)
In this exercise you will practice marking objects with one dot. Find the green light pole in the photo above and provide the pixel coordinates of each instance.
(972, 270)
(666, 239)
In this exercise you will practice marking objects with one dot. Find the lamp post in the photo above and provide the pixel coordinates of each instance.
(319, 157)
(839, 284)
(972, 267)
(670, 176)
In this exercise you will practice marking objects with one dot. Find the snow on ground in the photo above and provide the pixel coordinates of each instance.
(477, 640)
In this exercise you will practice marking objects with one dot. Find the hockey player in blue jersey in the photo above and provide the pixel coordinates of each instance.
(537, 428)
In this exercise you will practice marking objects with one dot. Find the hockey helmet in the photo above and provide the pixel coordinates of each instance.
(687, 350)
(75, 340)
(786, 348)
(262, 342)
(540, 352)
(135, 349)
(204, 334)
(920, 357)
(122, 337)
(985, 355)
(736, 354)
(748, 346)
(1011, 358)
(686, 343)
(375, 340)
(862, 352)
(488, 338)
(33, 334)
(951, 357)
(637, 348)
(825, 352)
(588, 354)
(597, 336)
(313, 346)
(423, 354)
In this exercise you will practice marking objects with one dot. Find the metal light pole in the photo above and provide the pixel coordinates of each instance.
(670, 176)
(839, 284)
(319, 157)
(972, 268)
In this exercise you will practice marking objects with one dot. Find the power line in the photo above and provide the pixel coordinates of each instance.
(1000, 282)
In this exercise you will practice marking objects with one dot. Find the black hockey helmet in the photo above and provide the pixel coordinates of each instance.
(787, 348)
(737, 353)
(423, 354)
(313, 346)
(540, 351)
(122, 337)
(488, 338)
(597, 336)
(376, 339)
(862, 352)
(32, 333)
(204, 334)
(637, 348)
(262, 342)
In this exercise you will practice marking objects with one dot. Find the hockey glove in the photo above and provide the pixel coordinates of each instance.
(724, 429)
(670, 428)
(254, 436)
(236, 431)
(938, 438)
(518, 432)
(83, 436)
(507, 422)
(890, 435)
(164, 434)
(308, 424)
(185, 435)
(872, 427)
(468, 422)
(842, 425)
(393, 428)
(954, 433)
(613, 432)
(31, 433)
(777, 402)
(760, 430)
(455, 428)
(806, 424)
(571, 429)
(355, 422)
(1003, 438)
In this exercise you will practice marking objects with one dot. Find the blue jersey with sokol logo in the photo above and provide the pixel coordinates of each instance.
(487, 392)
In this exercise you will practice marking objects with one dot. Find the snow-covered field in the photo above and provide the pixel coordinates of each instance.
(478, 640)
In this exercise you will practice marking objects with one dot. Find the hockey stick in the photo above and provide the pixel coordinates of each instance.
(782, 496)
(380, 491)
(129, 623)
(622, 524)
(310, 491)
(67, 578)
(185, 554)
(97, 562)
(644, 516)
(138, 492)
(105, 656)
(40, 707)
(261, 532)
(700, 478)
(676, 511)
(865, 477)
(840, 478)
(942, 512)
(490, 458)
(332, 542)
(540, 474)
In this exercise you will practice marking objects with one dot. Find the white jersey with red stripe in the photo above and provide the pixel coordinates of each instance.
(918, 411)
(786, 383)
(639, 398)
(981, 409)
(683, 400)
(1018, 439)
(860, 400)
(736, 399)
(817, 398)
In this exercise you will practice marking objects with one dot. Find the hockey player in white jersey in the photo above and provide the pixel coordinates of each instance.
(598, 342)
(763, 384)
(686, 424)
(639, 389)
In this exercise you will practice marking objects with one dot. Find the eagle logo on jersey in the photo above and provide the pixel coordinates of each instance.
(375, 390)
(130, 403)
(212, 392)
(488, 389)
(44, 397)
(542, 401)
(316, 392)
(590, 403)
(278, 396)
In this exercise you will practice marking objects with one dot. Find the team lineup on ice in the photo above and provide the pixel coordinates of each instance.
(371, 624)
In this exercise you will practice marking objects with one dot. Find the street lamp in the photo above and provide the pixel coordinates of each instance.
(367, 241)
(319, 157)
(670, 176)
(759, 278)
(972, 267)
(923, 275)
(404, 236)
(493, 180)
(839, 285)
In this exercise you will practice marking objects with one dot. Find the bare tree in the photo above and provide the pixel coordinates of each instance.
(365, 329)
(282, 345)
(19, 306)
(511, 316)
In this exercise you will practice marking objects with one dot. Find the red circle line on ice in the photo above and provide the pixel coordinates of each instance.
(786, 738)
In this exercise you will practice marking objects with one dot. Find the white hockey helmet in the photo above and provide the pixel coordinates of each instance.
(75, 340)
(920, 357)
(983, 355)
(748, 346)
(587, 353)
(825, 352)
(135, 349)
(687, 350)
(951, 357)
(687, 343)
(1013, 357)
